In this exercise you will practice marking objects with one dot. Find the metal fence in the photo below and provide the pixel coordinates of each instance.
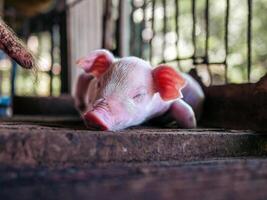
(156, 30)
(144, 6)
(50, 30)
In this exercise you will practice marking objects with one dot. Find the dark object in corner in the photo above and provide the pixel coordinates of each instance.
(236, 106)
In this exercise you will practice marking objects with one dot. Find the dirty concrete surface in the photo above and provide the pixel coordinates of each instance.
(57, 158)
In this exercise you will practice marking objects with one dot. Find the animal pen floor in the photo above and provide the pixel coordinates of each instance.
(56, 158)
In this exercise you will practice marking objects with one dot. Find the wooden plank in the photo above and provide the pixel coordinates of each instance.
(63, 105)
(1, 8)
(236, 106)
(229, 179)
(61, 141)
(85, 32)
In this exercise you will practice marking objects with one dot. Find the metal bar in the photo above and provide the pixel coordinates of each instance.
(64, 53)
(207, 40)
(52, 60)
(106, 15)
(13, 78)
(226, 39)
(164, 29)
(196, 58)
(210, 63)
(1, 80)
(195, 63)
(153, 31)
(118, 29)
(132, 39)
(249, 37)
(194, 27)
(143, 25)
(124, 29)
(177, 9)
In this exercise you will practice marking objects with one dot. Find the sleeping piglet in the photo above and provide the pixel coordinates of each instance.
(113, 94)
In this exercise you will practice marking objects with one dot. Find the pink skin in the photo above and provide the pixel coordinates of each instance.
(123, 94)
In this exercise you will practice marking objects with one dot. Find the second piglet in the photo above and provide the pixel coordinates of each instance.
(113, 94)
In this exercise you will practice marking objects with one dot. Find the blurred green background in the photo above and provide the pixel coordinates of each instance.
(40, 44)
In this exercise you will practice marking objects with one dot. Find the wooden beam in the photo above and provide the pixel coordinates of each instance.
(236, 106)
(1, 8)
(84, 32)
(53, 106)
(124, 28)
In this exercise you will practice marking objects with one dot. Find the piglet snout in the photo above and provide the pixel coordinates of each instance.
(95, 121)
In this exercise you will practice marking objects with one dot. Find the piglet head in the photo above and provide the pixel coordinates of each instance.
(125, 91)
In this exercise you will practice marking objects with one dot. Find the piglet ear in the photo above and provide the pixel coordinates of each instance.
(97, 62)
(168, 82)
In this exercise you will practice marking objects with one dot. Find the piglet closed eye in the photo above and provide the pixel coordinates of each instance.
(128, 91)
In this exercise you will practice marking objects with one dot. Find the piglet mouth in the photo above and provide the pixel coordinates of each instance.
(95, 122)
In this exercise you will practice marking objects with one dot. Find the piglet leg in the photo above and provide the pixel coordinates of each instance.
(183, 114)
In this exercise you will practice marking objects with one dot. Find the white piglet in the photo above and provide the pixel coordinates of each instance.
(113, 94)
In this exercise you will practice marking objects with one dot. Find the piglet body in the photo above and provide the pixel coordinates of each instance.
(115, 94)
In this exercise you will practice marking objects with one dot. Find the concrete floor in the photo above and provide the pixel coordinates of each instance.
(57, 158)
(229, 179)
